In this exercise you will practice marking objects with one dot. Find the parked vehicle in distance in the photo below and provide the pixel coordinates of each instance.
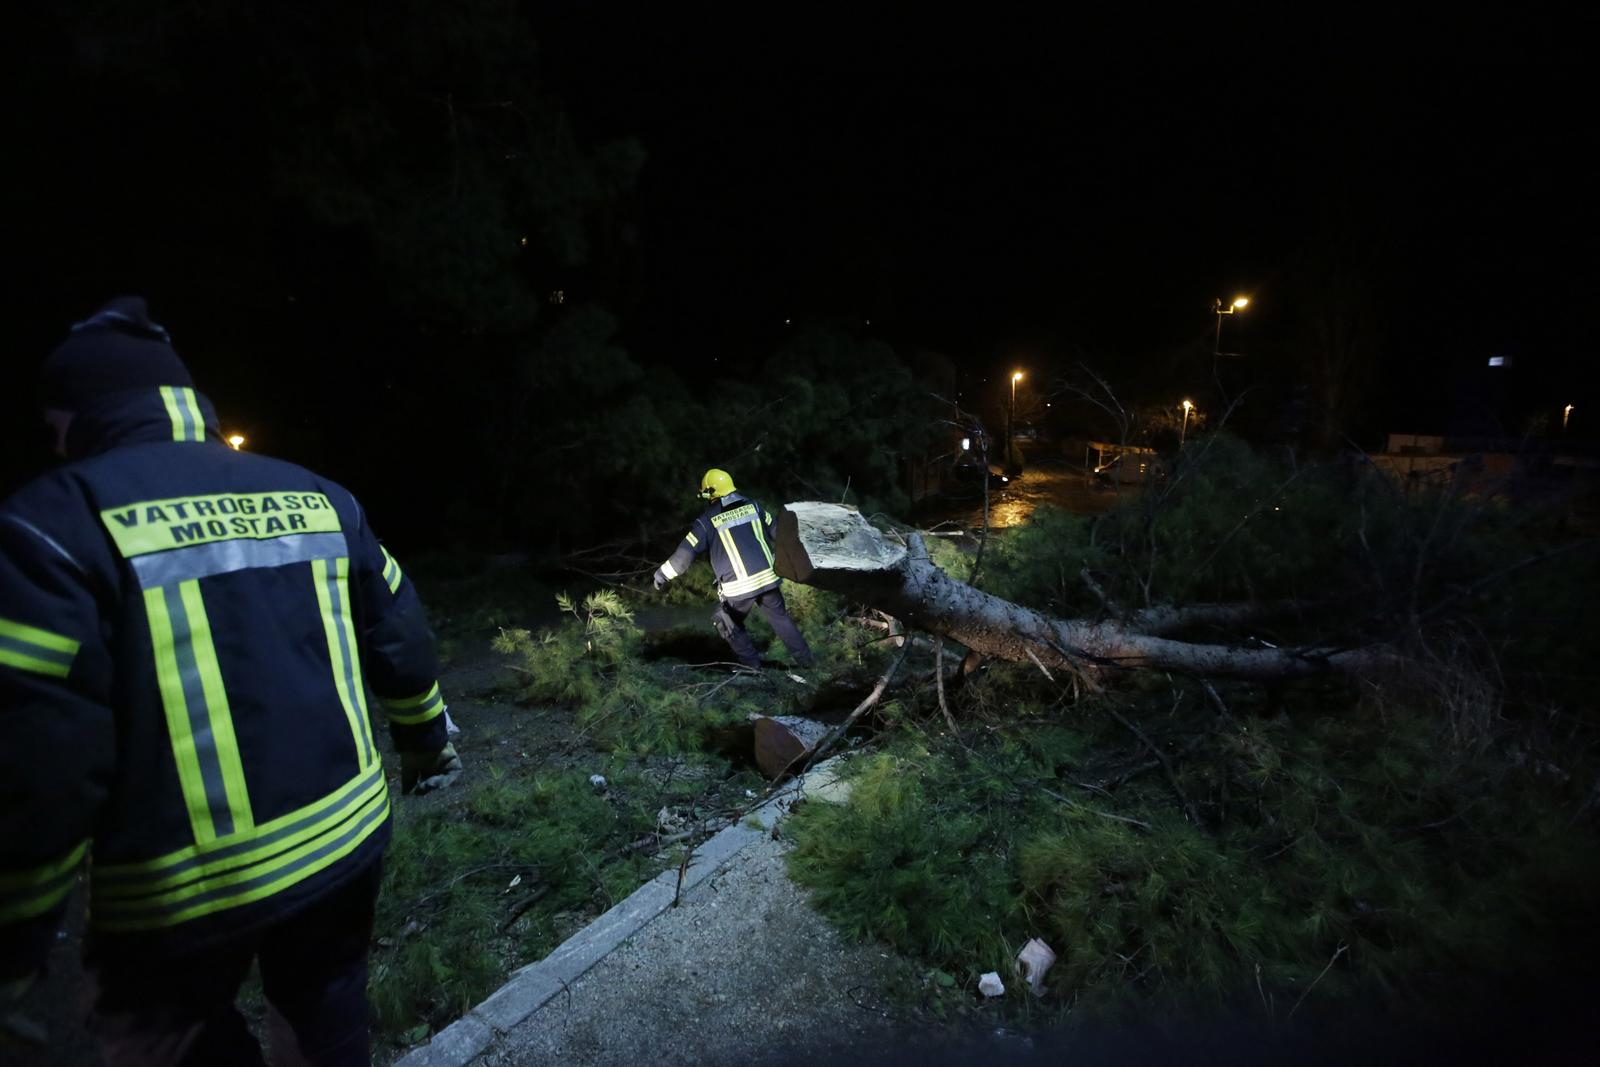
(1126, 469)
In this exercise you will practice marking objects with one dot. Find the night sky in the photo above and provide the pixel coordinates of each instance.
(1032, 195)
(1035, 195)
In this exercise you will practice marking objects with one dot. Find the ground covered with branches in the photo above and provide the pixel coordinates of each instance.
(1419, 837)
(528, 847)
(1423, 836)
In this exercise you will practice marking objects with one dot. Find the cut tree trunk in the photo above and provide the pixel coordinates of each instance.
(833, 547)
(784, 741)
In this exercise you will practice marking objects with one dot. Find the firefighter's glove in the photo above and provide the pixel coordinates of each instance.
(660, 579)
(423, 772)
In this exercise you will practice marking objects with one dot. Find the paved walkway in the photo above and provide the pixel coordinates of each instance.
(741, 970)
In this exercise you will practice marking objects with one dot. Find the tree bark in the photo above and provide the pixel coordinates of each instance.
(833, 547)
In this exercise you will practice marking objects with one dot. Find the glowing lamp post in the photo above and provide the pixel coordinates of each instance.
(1239, 304)
(1184, 430)
(1011, 416)
(236, 441)
(1566, 413)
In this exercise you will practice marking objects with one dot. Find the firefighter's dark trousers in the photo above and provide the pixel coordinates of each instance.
(181, 1011)
(729, 621)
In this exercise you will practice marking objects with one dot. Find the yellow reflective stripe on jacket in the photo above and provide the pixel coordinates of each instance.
(762, 541)
(333, 597)
(242, 850)
(184, 411)
(199, 722)
(35, 890)
(391, 571)
(221, 890)
(414, 710)
(694, 542)
(29, 648)
(745, 586)
(734, 558)
(669, 570)
(270, 838)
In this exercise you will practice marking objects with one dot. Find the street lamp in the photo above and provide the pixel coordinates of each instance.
(1239, 304)
(1184, 432)
(236, 440)
(1566, 413)
(1011, 416)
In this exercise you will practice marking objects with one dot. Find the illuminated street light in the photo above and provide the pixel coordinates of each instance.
(1566, 413)
(1239, 304)
(1184, 432)
(237, 441)
(1011, 416)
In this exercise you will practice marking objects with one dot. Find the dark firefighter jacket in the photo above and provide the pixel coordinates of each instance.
(737, 533)
(187, 634)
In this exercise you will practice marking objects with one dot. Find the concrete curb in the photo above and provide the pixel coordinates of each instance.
(535, 985)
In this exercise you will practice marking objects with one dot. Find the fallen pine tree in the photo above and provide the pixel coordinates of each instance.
(834, 547)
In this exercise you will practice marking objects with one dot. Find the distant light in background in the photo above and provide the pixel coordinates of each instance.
(1241, 301)
(523, 242)
(966, 444)
(236, 440)
(1566, 413)
(1497, 361)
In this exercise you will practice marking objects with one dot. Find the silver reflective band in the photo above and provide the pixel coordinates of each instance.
(224, 557)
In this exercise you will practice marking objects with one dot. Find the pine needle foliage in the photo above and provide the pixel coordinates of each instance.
(1410, 837)
(1339, 833)
(592, 662)
(577, 661)
(447, 893)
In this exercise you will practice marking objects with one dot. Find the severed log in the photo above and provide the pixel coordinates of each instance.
(833, 547)
(783, 742)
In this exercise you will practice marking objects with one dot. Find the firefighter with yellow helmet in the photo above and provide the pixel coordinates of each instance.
(737, 532)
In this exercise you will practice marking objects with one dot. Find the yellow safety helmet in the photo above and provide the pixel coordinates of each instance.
(716, 483)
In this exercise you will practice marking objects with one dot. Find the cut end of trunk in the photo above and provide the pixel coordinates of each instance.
(817, 539)
(784, 741)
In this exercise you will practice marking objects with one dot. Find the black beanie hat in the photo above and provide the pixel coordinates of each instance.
(116, 349)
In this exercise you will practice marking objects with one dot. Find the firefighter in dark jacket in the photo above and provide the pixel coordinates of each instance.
(738, 534)
(187, 638)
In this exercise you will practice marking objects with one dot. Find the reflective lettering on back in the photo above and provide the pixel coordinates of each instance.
(157, 525)
(741, 514)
